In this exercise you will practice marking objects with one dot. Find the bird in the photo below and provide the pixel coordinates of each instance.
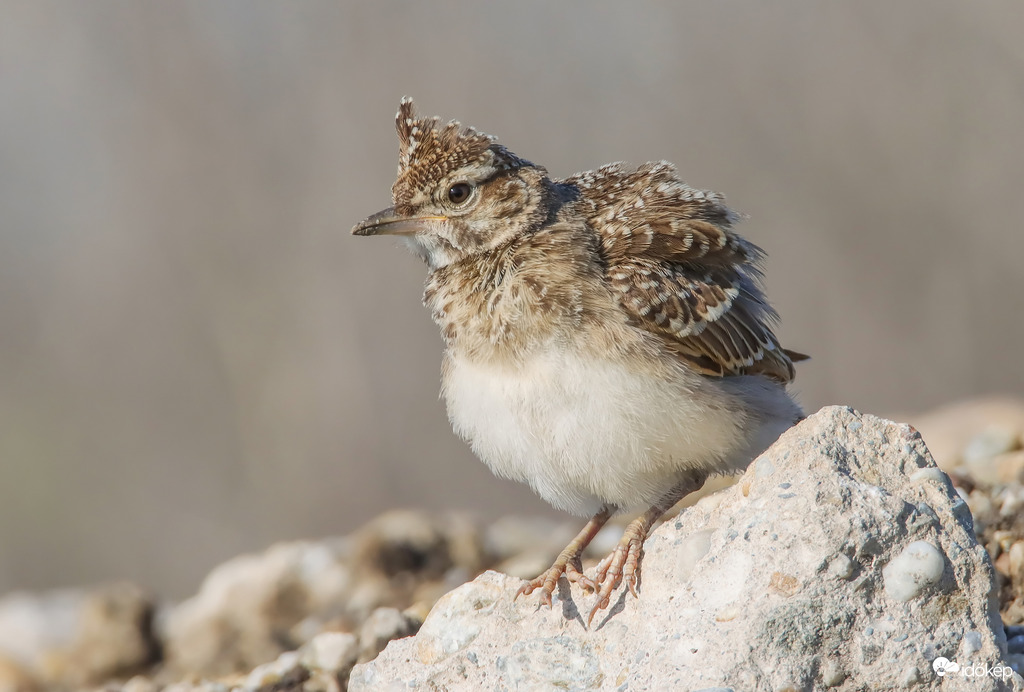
(607, 339)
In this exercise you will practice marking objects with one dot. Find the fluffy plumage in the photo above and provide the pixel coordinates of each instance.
(607, 338)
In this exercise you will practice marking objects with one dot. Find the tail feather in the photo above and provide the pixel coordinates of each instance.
(796, 356)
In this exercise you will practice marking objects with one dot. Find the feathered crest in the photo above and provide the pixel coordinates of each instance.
(420, 140)
(428, 151)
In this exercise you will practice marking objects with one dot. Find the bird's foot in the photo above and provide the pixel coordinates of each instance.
(568, 563)
(547, 581)
(623, 564)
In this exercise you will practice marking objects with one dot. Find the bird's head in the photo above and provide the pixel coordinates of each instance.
(458, 193)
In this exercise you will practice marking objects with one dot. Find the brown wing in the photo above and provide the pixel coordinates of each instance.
(681, 273)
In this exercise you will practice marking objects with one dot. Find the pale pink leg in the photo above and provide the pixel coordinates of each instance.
(624, 562)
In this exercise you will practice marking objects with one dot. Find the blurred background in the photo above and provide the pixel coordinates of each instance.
(196, 359)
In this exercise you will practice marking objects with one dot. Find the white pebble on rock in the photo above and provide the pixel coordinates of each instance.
(908, 574)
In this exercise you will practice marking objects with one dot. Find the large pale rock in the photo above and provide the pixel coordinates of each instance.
(842, 559)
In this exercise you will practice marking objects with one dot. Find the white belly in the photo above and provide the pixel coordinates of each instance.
(586, 433)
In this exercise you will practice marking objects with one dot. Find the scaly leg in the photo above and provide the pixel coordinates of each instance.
(624, 562)
(568, 562)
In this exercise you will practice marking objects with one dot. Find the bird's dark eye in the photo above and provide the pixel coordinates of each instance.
(459, 193)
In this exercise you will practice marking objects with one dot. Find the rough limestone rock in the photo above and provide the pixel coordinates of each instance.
(843, 559)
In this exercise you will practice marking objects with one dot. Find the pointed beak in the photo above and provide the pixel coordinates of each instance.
(388, 223)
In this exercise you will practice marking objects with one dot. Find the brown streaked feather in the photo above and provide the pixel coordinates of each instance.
(679, 271)
(429, 151)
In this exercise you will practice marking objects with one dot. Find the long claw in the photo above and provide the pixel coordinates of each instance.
(632, 568)
(601, 605)
(621, 564)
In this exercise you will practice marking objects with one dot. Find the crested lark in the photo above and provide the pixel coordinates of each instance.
(607, 339)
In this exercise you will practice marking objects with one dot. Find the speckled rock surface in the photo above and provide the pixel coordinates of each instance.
(843, 559)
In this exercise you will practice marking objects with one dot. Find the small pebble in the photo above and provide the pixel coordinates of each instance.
(972, 642)
(927, 474)
(1017, 558)
(331, 651)
(990, 443)
(1012, 505)
(909, 573)
(1004, 539)
(270, 673)
(832, 674)
(841, 567)
(911, 677)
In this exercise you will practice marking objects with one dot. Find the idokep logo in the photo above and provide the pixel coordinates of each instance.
(943, 666)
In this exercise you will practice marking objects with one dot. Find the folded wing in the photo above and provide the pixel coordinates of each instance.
(680, 273)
